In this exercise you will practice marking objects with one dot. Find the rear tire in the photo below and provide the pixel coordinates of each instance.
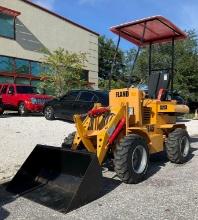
(22, 109)
(1, 110)
(49, 113)
(131, 159)
(178, 146)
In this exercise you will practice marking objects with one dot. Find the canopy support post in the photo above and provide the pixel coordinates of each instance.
(172, 66)
(150, 58)
(137, 54)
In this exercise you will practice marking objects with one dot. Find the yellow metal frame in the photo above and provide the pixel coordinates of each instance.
(98, 135)
(152, 119)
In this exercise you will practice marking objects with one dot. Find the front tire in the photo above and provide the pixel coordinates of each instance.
(131, 159)
(49, 113)
(178, 146)
(68, 141)
(22, 109)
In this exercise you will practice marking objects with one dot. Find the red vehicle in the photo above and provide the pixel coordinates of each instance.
(23, 98)
(1, 105)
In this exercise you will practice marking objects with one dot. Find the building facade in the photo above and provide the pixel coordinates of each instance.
(26, 29)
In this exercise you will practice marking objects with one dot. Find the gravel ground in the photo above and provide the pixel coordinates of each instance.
(170, 192)
(19, 136)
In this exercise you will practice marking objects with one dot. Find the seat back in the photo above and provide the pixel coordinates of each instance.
(158, 80)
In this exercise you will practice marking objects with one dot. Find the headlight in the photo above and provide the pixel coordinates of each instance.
(33, 101)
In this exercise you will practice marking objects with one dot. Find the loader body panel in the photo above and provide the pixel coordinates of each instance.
(150, 118)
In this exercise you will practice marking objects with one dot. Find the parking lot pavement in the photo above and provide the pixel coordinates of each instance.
(169, 192)
(19, 136)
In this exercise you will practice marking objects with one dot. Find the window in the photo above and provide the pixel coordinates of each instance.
(7, 26)
(95, 99)
(104, 98)
(23, 81)
(71, 96)
(35, 83)
(36, 68)
(85, 75)
(6, 64)
(4, 79)
(86, 96)
(26, 90)
(46, 68)
(22, 66)
(11, 90)
(3, 91)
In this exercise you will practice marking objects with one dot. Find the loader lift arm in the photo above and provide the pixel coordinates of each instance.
(105, 136)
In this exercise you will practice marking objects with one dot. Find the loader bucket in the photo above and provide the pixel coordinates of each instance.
(58, 178)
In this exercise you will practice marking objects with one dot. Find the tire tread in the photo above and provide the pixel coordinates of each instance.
(121, 158)
(173, 145)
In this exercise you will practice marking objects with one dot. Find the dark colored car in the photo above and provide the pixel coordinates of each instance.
(180, 100)
(193, 105)
(74, 102)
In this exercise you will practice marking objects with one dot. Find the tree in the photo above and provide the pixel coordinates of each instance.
(62, 71)
(118, 84)
(186, 77)
(186, 63)
(107, 50)
(139, 73)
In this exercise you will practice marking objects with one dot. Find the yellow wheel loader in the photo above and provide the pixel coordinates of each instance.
(133, 126)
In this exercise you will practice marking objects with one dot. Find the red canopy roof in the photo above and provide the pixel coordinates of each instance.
(8, 11)
(157, 30)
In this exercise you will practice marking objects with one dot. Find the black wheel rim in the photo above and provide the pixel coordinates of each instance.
(184, 146)
(48, 112)
(21, 109)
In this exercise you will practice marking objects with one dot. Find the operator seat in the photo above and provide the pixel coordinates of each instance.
(158, 84)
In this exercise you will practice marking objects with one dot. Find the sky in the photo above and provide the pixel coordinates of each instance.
(100, 15)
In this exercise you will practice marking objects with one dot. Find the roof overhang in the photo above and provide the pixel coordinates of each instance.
(9, 12)
(156, 29)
